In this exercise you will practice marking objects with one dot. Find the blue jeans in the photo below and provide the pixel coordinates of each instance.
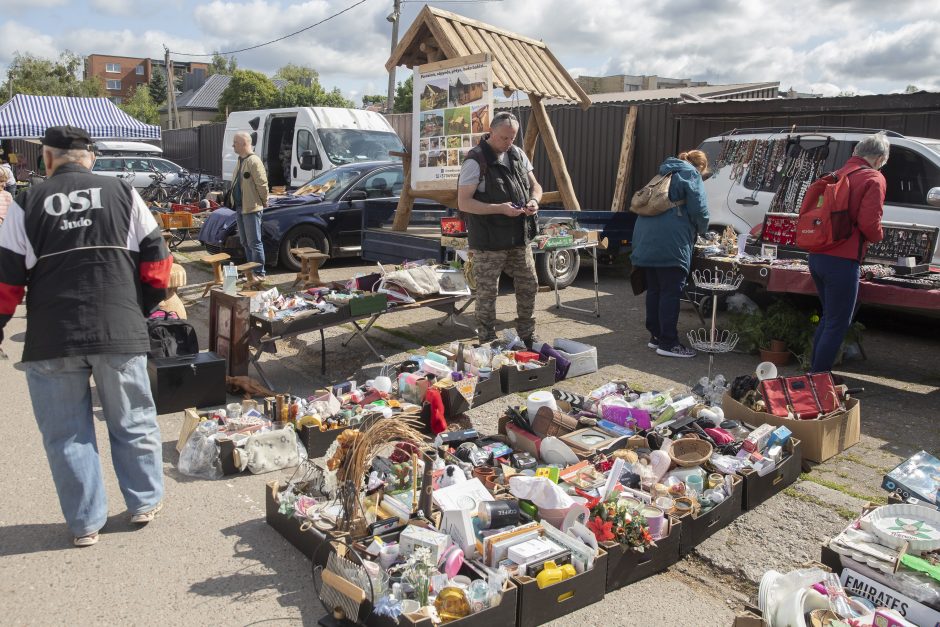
(249, 232)
(663, 291)
(836, 281)
(61, 396)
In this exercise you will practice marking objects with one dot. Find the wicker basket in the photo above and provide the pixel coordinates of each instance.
(688, 452)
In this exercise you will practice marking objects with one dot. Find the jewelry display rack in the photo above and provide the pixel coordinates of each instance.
(712, 341)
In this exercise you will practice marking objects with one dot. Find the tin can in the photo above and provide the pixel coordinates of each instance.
(499, 513)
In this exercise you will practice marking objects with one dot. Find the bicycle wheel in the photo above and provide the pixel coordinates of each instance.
(189, 196)
(159, 195)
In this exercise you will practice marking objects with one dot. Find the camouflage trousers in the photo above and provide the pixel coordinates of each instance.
(517, 263)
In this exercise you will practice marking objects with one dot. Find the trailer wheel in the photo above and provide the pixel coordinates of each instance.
(303, 236)
(565, 267)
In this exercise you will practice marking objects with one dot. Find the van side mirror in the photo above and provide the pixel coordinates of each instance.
(254, 122)
(933, 197)
(306, 160)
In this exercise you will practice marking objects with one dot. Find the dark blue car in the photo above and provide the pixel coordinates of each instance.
(325, 214)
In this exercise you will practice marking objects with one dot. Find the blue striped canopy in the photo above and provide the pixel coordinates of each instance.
(28, 117)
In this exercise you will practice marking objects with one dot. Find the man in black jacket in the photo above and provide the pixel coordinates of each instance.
(95, 263)
(500, 196)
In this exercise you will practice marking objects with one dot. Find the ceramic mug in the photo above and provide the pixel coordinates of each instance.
(666, 504)
(695, 484)
(715, 480)
(655, 520)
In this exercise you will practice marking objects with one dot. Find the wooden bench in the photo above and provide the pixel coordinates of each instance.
(310, 260)
(248, 269)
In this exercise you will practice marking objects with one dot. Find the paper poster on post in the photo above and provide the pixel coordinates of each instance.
(453, 105)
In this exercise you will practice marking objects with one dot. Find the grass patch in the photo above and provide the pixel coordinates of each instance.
(855, 459)
(838, 487)
(404, 335)
(842, 512)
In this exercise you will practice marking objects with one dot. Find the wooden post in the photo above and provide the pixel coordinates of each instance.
(555, 156)
(531, 138)
(625, 167)
(406, 201)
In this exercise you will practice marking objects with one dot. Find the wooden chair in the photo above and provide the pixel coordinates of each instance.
(216, 262)
(310, 260)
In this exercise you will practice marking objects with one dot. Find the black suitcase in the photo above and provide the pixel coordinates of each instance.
(187, 381)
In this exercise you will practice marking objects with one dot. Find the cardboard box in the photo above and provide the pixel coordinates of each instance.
(307, 541)
(696, 530)
(626, 566)
(502, 614)
(821, 439)
(191, 418)
(514, 380)
(758, 489)
(488, 389)
(187, 381)
(317, 442)
(538, 606)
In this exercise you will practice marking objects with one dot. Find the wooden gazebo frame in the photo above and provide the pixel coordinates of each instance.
(519, 64)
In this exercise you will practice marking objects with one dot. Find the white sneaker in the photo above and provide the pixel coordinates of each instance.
(146, 517)
(90, 540)
(676, 351)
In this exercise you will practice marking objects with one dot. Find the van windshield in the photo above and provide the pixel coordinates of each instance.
(350, 145)
(331, 184)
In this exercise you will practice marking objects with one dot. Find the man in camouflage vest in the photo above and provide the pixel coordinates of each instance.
(499, 196)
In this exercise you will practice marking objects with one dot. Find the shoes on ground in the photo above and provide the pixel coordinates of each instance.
(653, 343)
(145, 517)
(676, 351)
(82, 541)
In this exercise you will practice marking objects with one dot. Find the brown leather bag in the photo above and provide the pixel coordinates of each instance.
(653, 199)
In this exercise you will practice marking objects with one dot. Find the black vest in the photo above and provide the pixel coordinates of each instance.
(503, 184)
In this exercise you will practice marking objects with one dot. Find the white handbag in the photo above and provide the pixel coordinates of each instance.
(272, 450)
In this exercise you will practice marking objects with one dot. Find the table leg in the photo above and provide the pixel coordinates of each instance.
(551, 271)
(456, 311)
(361, 332)
(322, 353)
(255, 361)
(597, 293)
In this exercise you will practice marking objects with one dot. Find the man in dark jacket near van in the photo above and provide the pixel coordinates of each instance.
(835, 271)
(500, 196)
(95, 263)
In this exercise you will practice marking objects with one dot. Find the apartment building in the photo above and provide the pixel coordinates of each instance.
(122, 75)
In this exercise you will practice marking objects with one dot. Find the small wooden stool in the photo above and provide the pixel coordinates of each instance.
(249, 271)
(216, 261)
(310, 260)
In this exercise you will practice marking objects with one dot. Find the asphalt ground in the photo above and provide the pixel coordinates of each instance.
(210, 559)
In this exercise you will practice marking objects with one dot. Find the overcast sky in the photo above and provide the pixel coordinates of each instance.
(823, 46)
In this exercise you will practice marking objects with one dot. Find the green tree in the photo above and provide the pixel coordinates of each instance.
(911, 89)
(403, 96)
(38, 76)
(299, 75)
(157, 85)
(141, 106)
(221, 65)
(373, 100)
(335, 98)
(247, 90)
(296, 95)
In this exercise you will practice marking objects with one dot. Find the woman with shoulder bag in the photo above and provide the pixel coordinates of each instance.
(662, 249)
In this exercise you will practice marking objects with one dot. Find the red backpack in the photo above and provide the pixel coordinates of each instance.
(824, 215)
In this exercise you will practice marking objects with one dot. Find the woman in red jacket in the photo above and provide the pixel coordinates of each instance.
(835, 271)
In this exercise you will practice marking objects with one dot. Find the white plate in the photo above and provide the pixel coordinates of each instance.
(554, 451)
(896, 524)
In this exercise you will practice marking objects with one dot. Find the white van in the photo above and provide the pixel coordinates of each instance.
(299, 143)
(912, 175)
(127, 149)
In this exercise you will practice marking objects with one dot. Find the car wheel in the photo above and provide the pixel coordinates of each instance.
(303, 236)
(565, 268)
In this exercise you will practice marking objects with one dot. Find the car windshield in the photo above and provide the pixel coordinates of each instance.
(345, 145)
(331, 184)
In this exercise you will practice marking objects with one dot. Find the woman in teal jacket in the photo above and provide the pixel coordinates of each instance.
(662, 247)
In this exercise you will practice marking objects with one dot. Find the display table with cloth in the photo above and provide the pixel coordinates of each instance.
(786, 276)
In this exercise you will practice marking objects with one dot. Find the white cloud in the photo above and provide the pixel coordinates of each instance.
(117, 7)
(15, 37)
(16, 6)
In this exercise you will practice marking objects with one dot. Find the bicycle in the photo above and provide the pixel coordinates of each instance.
(185, 190)
(155, 192)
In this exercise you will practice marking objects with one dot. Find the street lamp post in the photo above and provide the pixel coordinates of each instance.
(394, 17)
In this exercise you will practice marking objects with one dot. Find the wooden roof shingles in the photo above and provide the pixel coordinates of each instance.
(519, 63)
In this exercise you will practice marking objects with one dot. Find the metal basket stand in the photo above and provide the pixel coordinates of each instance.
(714, 341)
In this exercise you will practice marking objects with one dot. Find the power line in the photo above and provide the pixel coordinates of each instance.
(267, 43)
(447, 1)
